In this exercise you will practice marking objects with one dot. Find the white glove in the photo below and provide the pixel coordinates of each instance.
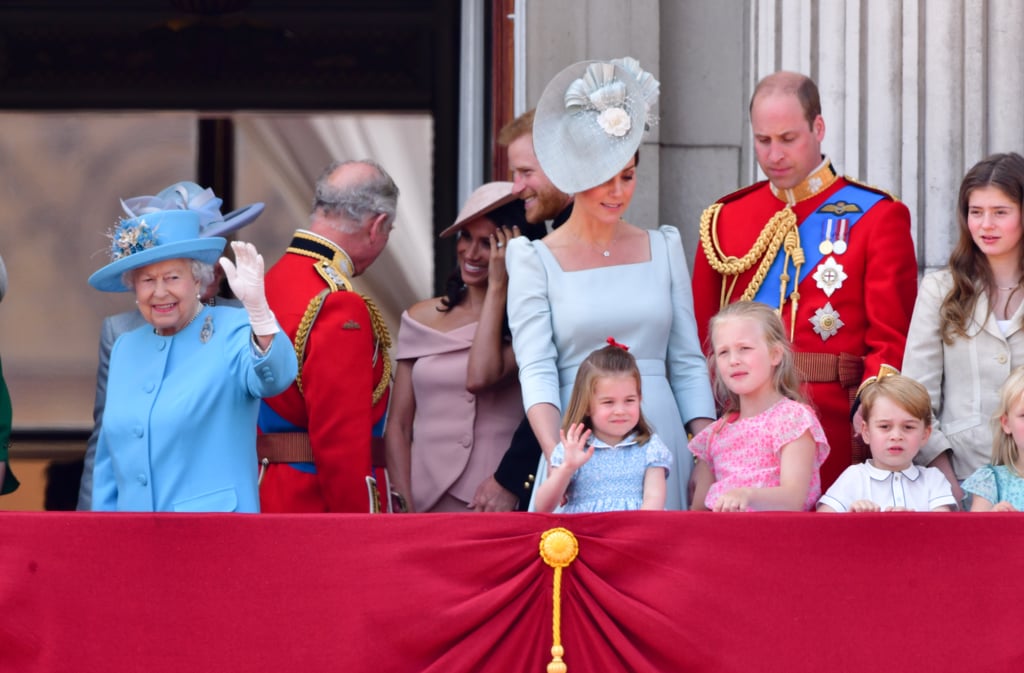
(246, 283)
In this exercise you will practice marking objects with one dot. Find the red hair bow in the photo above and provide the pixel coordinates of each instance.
(613, 342)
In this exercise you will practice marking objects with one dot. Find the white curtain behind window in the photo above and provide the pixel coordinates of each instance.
(279, 158)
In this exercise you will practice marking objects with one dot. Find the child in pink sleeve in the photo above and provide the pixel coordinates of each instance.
(766, 450)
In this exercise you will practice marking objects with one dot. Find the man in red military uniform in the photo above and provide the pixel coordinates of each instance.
(317, 438)
(835, 257)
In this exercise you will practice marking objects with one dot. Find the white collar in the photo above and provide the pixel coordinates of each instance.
(629, 440)
(878, 474)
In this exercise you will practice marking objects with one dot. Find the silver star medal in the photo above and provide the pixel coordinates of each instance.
(826, 322)
(829, 276)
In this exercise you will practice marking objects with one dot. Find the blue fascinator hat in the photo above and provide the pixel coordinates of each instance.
(154, 237)
(190, 196)
(591, 119)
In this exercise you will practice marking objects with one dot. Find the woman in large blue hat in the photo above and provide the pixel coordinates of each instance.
(179, 196)
(183, 391)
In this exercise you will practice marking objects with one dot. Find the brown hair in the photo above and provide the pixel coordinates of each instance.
(607, 361)
(785, 378)
(910, 395)
(793, 84)
(1004, 450)
(968, 265)
(516, 128)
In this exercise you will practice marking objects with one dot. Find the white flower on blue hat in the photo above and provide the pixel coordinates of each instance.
(130, 236)
(599, 90)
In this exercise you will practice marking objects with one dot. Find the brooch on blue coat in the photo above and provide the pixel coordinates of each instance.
(207, 330)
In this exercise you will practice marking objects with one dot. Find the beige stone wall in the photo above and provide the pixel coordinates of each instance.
(913, 92)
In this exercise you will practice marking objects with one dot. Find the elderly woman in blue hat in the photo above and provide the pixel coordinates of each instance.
(183, 391)
(598, 276)
(178, 196)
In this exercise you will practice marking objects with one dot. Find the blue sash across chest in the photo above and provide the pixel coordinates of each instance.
(850, 203)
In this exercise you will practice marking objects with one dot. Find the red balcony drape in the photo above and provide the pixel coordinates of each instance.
(648, 592)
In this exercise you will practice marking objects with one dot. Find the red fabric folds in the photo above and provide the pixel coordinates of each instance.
(648, 592)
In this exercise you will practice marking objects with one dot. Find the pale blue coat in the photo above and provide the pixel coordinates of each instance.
(179, 427)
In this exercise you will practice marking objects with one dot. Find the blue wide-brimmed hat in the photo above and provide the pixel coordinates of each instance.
(190, 196)
(155, 237)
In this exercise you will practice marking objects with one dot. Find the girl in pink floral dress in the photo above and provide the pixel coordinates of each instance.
(765, 452)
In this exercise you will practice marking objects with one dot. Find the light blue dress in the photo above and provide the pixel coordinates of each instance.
(996, 483)
(613, 479)
(558, 317)
(179, 425)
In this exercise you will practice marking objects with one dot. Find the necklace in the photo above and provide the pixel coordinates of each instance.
(199, 309)
(605, 249)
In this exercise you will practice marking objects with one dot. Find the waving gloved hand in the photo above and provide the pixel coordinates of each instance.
(245, 277)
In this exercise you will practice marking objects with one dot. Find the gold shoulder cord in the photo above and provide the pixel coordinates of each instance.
(302, 333)
(383, 339)
(380, 331)
(780, 233)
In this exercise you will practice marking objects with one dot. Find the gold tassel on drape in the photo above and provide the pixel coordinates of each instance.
(558, 548)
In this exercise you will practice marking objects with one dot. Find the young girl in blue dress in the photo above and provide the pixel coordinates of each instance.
(999, 487)
(608, 458)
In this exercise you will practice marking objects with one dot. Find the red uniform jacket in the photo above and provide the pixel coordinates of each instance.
(874, 302)
(341, 368)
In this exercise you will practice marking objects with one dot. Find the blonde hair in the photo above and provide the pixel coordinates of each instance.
(785, 378)
(1004, 450)
(608, 361)
(907, 393)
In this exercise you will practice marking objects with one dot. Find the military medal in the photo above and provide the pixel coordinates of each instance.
(840, 245)
(826, 322)
(829, 275)
(825, 247)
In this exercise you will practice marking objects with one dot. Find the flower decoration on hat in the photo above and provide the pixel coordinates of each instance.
(178, 197)
(130, 236)
(650, 88)
(599, 90)
(202, 201)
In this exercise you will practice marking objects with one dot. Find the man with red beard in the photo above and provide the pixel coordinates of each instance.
(546, 208)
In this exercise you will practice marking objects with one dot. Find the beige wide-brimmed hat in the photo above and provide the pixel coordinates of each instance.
(485, 198)
(591, 119)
